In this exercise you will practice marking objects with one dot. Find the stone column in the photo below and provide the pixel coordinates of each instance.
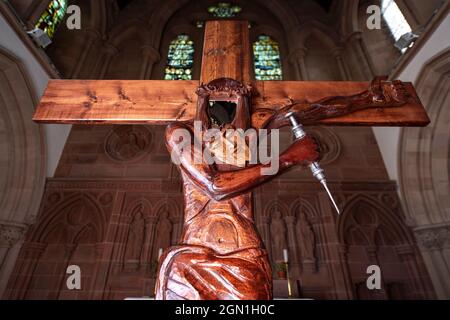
(297, 58)
(357, 44)
(407, 255)
(177, 228)
(433, 242)
(373, 260)
(10, 236)
(109, 52)
(150, 57)
(294, 260)
(346, 284)
(92, 36)
(264, 223)
(150, 225)
(69, 250)
(337, 54)
(29, 257)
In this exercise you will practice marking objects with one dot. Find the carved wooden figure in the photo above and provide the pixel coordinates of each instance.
(220, 255)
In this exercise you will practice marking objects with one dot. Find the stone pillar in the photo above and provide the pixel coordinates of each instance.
(265, 230)
(347, 284)
(434, 246)
(62, 268)
(150, 225)
(294, 260)
(11, 235)
(177, 228)
(337, 54)
(29, 257)
(407, 255)
(373, 260)
(92, 36)
(109, 52)
(297, 58)
(357, 44)
(150, 56)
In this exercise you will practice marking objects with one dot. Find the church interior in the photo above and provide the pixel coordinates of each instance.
(108, 198)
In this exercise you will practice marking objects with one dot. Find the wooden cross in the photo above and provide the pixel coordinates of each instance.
(221, 255)
(226, 53)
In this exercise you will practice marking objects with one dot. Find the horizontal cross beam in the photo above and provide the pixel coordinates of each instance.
(161, 102)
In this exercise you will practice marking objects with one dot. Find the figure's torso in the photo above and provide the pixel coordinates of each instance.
(225, 226)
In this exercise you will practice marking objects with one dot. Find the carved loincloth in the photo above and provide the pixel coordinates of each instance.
(199, 273)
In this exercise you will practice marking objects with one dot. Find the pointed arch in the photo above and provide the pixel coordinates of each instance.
(275, 204)
(59, 213)
(22, 145)
(385, 218)
(302, 205)
(141, 203)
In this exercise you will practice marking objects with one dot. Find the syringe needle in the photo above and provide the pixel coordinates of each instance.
(329, 195)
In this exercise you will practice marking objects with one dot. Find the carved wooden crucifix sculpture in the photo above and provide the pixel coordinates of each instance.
(221, 255)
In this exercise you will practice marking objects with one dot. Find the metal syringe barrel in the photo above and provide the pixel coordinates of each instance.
(315, 168)
(299, 133)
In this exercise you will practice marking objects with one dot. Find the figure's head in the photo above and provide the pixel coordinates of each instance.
(224, 102)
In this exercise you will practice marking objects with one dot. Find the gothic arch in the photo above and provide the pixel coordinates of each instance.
(168, 205)
(424, 152)
(22, 151)
(162, 14)
(275, 204)
(424, 170)
(384, 218)
(127, 29)
(317, 29)
(57, 215)
(302, 204)
(146, 205)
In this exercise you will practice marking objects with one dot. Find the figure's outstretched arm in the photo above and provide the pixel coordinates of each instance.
(227, 184)
(381, 94)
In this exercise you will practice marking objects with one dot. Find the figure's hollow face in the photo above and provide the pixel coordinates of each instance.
(221, 113)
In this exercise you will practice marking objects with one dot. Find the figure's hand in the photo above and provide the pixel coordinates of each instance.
(301, 152)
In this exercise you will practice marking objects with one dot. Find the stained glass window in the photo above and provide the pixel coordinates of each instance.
(52, 17)
(224, 10)
(267, 59)
(395, 19)
(180, 59)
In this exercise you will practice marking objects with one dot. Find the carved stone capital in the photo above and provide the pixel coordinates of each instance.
(290, 220)
(92, 34)
(405, 250)
(298, 53)
(151, 53)
(433, 237)
(11, 233)
(354, 36)
(110, 50)
(336, 52)
(150, 221)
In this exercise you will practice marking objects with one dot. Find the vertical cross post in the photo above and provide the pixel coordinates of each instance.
(226, 51)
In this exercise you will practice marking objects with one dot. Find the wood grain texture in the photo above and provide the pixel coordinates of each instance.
(277, 95)
(221, 255)
(162, 102)
(117, 102)
(226, 51)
